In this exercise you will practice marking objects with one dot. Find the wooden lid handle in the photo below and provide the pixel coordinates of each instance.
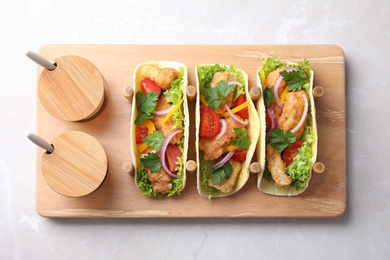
(41, 60)
(39, 141)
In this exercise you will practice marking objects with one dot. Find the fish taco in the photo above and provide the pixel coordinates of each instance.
(159, 128)
(227, 129)
(287, 148)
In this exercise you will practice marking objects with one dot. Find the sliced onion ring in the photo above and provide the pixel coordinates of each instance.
(271, 114)
(299, 125)
(235, 119)
(223, 129)
(276, 87)
(224, 160)
(163, 112)
(234, 83)
(164, 149)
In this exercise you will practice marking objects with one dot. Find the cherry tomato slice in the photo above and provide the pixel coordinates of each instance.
(268, 122)
(172, 153)
(291, 151)
(243, 113)
(140, 133)
(209, 122)
(240, 155)
(148, 85)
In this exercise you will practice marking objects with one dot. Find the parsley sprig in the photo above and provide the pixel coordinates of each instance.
(268, 95)
(145, 106)
(214, 96)
(281, 140)
(155, 140)
(243, 140)
(295, 78)
(220, 173)
(152, 161)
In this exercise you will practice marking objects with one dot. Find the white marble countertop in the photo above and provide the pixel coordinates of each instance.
(360, 28)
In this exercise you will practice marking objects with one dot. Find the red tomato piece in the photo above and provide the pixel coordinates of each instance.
(209, 122)
(240, 155)
(243, 113)
(148, 85)
(140, 133)
(291, 151)
(268, 122)
(172, 153)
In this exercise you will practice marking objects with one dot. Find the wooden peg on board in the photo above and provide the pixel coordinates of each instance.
(128, 93)
(318, 92)
(254, 168)
(319, 167)
(191, 167)
(128, 167)
(255, 93)
(191, 93)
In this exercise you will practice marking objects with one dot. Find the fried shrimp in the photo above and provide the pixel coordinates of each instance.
(167, 127)
(212, 147)
(271, 78)
(224, 76)
(277, 167)
(162, 76)
(161, 181)
(292, 112)
(226, 185)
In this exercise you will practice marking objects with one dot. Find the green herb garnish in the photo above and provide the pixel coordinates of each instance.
(152, 161)
(295, 78)
(281, 140)
(243, 140)
(268, 95)
(155, 140)
(222, 172)
(145, 106)
(214, 96)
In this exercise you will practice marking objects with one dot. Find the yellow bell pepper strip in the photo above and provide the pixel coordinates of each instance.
(142, 147)
(165, 119)
(231, 147)
(149, 125)
(283, 95)
(262, 77)
(236, 109)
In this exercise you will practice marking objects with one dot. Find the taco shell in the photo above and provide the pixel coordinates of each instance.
(253, 133)
(264, 185)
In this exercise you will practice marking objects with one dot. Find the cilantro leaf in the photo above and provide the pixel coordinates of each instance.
(145, 106)
(295, 78)
(155, 140)
(281, 140)
(243, 140)
(152, 161)
(220, 173)
(268, 95)
(214, 96)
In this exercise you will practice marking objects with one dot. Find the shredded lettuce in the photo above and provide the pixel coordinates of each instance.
(205, 170)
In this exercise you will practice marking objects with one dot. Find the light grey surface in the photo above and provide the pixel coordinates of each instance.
(359, 27)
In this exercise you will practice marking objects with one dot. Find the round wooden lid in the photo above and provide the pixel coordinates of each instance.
(74, 91)
(77, 166)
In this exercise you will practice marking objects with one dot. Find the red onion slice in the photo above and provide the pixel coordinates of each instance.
(276, 87)
(224, 128)
(299, 125)
(163, 113)
(163, 150)
(234, 83)
(235, 119)
(224, 160)
(271, 114)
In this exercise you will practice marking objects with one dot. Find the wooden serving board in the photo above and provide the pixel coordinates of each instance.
(118, 195)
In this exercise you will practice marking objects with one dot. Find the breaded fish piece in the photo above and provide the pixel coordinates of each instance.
(292, 111)
(167, 127)
(212, 147)
(161, 76)
(224, 76)
(271, 78)
(277, 167)
(227, 185)
(161, 181)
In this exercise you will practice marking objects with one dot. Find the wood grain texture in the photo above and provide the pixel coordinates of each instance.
(77, 166)
(118, 196)
(74, 91)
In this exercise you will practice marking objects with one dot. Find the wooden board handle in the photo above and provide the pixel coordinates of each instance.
(191, 167)
(318, 92)
(255, 93)
(128, 93)
(128, 167)
(254, 168)
(191, 93)
(319, 167)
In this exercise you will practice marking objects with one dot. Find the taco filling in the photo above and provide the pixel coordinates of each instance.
(289, 132)
(159, 130)
(223, 127)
